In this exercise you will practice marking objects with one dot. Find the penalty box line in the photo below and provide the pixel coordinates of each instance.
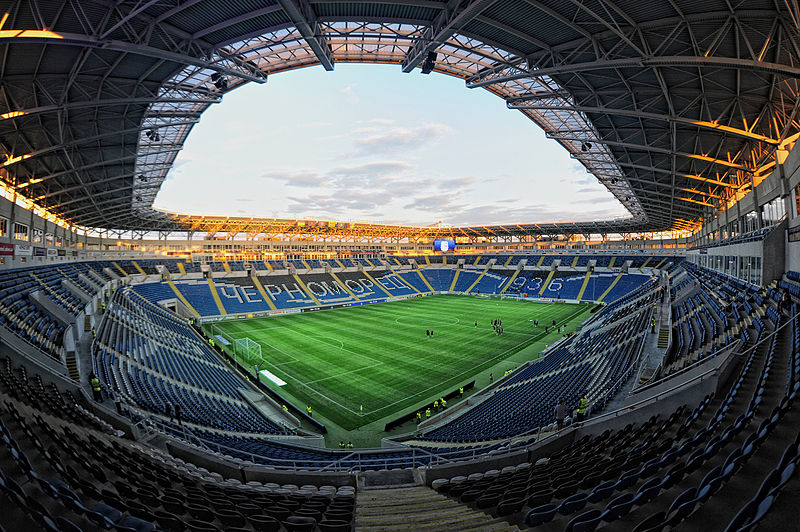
(501, 355)
(314, 390)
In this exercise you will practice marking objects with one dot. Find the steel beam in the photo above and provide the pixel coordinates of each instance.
(482, 80)
(645, 147)
(83, 140)
(88, 41)
(305, 20)
(633, 113)
(44, 109)
(449, 20)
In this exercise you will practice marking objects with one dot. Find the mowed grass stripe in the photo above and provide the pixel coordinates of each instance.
(447, 367)
(330, 361)
(378, 355)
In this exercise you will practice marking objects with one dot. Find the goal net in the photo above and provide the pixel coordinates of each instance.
(248, 351)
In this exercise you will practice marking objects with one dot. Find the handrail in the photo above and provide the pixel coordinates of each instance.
(686, 369)
(654, 398)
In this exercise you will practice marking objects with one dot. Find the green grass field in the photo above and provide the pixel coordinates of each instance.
(378, 355)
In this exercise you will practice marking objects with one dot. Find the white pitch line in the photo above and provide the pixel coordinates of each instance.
(345, 373)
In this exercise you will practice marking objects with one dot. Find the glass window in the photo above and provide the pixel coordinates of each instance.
(20, 231)
(37, 236)
(3, 226)
(797, 200)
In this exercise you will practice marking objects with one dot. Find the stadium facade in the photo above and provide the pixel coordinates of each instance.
(679, 378)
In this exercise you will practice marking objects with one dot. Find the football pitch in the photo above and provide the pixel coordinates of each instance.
(356, 365)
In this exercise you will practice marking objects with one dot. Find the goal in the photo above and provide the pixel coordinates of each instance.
(248, 351)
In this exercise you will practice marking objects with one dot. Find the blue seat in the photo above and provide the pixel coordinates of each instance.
(647, 491)
(135, 524)
(540, 514)
(585, 522)
(602, 491)
(573, 503)
(618, 507)
(681, 507)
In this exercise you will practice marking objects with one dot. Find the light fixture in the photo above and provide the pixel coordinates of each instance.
(429, 64)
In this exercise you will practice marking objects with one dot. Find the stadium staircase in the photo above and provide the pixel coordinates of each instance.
(376, 283)
(611, 263)
(138, 268)
(346, 289)
(181, 269)
(511, 280)
(455, 279)
(72, 366)
(419, 508)
(744, 481)
(424, 280)
(226, 266)
(215, 295)
(585, 283)
(545, 284)
(122, 272)
(339, 263)
(181, 297)
(478, 280)
(263, 292)
(663, 337)
(305, 289)
(611, 286)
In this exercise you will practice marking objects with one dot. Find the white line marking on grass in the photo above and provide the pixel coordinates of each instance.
(343, 348)
(496, 357)
(344, 373)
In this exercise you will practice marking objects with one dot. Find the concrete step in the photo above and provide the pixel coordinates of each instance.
(419, 508)
(72, 366)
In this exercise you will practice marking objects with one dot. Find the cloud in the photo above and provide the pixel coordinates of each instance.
(350, 93)
(340, 201)
(430, 203)
(500, 213)
(381, 139)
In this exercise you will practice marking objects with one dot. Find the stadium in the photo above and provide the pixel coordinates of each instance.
(188, 372)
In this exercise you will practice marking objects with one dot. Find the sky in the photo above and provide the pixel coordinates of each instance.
(368, 143)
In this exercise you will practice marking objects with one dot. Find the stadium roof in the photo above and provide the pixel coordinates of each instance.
(677, 106)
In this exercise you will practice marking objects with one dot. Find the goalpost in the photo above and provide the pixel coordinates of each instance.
(248, 351)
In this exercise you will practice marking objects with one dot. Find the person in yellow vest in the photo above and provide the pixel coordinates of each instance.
(94, 382)
(350, 445)
(427, 413)
(211, 342)
(444, 403)
(461, 391)
(285, 408)
(581, 410)
(341, 444)
(436, 404)
(308, 411)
